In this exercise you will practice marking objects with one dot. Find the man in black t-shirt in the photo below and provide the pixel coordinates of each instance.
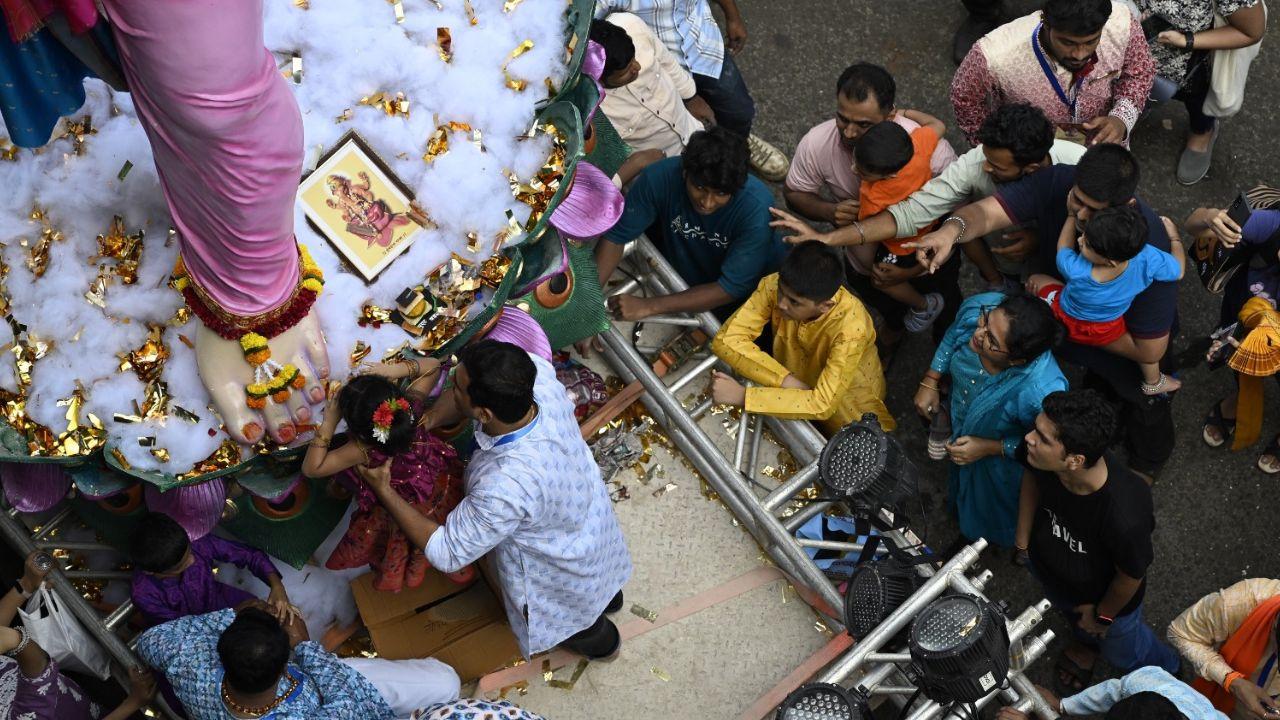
(1086, 523)
(1106, 176)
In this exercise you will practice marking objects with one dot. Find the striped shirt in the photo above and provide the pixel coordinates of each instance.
(686, 27)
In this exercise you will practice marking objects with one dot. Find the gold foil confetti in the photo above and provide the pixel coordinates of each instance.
(302, 4)
(515, 83)
(345, 116)
(471, 12)
(120, 459)
(662, 674)
(124, 248)
(665, 489)
(444, 43)
(643, 612)
(170, 237)
(399, 9)
(390, 104)
(359, 353)
(124, 418)
(227, 455)
(295, 68)
(473, 242)
(77, 130)
(97, 293)
(185, 414)
(510, 5)
(374, 315)
(160, 454)
(124, 170)
(8, 151)
(148, 360)
(580, 668)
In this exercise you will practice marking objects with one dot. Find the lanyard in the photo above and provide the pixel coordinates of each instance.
(1266, 671)
(514, 436)
(1070, 102)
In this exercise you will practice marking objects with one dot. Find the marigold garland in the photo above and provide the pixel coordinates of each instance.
(270, 378)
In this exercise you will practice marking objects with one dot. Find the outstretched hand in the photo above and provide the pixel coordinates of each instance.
(799, 230)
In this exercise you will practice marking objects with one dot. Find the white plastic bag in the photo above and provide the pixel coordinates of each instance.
(52, 626)
(1229, 74)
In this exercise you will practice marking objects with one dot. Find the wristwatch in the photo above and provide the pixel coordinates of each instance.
(1102, 619)
(1191, 39)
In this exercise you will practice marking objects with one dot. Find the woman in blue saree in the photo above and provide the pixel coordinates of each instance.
(998, 354)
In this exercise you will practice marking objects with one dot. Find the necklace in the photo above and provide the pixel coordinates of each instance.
(258, 711)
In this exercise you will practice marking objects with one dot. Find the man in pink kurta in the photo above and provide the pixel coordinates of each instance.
(1018, 62)
(227, 139)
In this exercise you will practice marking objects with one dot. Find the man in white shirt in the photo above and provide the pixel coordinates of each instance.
(535, 503)
(651, 100)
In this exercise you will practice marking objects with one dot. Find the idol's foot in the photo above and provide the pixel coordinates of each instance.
(225, 373)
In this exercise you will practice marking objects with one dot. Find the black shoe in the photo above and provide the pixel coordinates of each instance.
(971, 29)
(614, 605)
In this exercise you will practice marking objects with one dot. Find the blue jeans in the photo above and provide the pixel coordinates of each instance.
(728, 97)
(1129, 643)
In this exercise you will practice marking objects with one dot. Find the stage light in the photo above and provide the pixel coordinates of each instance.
(960, 648)
(866, 468)
(823, 701)
(875, 590)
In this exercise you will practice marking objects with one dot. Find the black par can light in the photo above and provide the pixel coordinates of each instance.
(824, 701)
(876, 589)
(959, 648)
(865, 468)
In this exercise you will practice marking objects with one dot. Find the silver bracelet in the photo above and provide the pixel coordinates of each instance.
(964, 226)
(22, 644)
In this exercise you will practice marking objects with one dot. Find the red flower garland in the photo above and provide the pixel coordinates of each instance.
(281, 320)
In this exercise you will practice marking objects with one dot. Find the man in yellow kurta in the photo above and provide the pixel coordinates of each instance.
(824, 365)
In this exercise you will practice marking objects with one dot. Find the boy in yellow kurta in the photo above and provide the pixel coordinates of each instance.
(824, 365)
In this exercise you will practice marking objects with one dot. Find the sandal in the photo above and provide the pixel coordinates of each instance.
(1272, 450)
(1070, 677)
(1226, 426)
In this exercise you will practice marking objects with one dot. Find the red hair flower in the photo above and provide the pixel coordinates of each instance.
(385, 415)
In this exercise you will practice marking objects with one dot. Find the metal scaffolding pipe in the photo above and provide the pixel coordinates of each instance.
(679, 320)
(780, 545)
(68, 545)
(830, 545)
(15, 533)
(692, 373)
(753, 455)
(803, 478)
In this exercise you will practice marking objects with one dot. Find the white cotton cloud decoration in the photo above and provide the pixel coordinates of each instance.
(349, 50)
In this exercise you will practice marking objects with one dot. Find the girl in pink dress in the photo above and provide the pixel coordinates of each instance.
(382, 427)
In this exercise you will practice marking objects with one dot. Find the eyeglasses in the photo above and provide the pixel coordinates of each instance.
(988, 338)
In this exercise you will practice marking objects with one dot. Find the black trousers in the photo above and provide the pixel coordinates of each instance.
(1193, 92)
(945, 282)
(601, 639)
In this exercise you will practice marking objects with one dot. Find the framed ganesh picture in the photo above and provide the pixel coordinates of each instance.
(354, 200)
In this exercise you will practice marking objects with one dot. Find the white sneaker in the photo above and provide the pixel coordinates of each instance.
(768, 161)
(920, 320)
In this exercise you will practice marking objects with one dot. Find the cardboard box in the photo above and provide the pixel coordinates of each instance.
(464, 627)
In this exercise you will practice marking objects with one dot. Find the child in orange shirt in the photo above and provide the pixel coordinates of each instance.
(893, 164)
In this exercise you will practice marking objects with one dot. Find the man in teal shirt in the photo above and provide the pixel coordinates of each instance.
(708, 218)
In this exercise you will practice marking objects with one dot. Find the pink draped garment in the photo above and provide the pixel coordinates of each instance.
(227, 139)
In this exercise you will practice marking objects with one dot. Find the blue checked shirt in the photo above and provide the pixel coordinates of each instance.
(1099, 698)
(186, 651)
(536, 499)
(686, 27)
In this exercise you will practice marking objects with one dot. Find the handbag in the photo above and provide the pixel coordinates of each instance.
(1229, 73)
(51, 626)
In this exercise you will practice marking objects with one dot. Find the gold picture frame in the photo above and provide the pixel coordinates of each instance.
(356, 203)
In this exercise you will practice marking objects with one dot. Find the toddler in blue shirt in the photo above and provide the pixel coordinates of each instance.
(1104, 268)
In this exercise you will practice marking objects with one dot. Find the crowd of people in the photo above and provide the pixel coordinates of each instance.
(1077, 271)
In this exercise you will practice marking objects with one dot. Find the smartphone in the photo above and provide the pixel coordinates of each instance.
(1155, 25)
(1239, 211)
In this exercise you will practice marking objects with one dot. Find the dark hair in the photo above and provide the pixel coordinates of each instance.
(1146, 705)
(716, 158)
(1117, 233)
(360, 398)
(812, 270)
(884, 149)
(1086, 422)
(862, 80)
(1033, 330)
(158, 543)
(619, 50)
(1080, 18)
(253, 650)
(1108, 173)
(1020, 128)
(501, 378)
